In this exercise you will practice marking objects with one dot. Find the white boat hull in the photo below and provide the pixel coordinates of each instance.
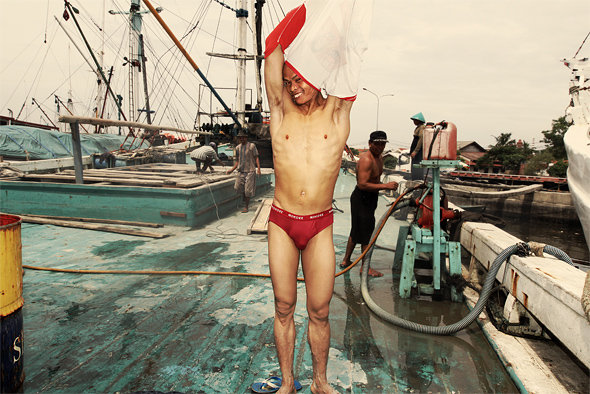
(577, 143)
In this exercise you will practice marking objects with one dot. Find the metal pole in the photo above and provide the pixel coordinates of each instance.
(77, 150)
(242, 15)
(436, 232)
(145, 87)
(190, 60)
(98, 67)
(378, 103)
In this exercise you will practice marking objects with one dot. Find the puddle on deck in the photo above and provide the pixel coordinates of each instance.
(213, 334)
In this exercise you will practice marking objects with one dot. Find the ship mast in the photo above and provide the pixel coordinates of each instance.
(136, 54)
(257, 42)
(242, 15)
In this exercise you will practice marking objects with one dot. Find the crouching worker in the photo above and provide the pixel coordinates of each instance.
(207, 155)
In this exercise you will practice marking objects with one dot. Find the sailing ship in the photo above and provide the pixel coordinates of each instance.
(577, 139)
(150, 82)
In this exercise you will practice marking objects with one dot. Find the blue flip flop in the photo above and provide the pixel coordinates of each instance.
(271, 385)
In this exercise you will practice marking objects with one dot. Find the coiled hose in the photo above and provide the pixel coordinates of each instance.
(521, 248)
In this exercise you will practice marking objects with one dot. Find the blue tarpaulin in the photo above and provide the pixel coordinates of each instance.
(37, 144)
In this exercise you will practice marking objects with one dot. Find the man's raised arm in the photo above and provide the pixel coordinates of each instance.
(273, 76)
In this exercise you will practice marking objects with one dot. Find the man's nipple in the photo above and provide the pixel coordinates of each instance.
(287, 136)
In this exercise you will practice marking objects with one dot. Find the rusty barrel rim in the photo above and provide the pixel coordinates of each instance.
(12, 221)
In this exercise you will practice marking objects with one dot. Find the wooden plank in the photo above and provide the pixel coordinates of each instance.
(105, 221)
(125, 123)
(173, 214)
(121, 181)
(134, 175)
(507, 193)
(200, 180)
(94, 226)
(259, 223)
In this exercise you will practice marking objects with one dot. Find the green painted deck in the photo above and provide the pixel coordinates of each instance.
(114, 333)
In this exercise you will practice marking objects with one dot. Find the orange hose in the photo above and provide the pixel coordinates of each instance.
(154, 272)
(376, 235)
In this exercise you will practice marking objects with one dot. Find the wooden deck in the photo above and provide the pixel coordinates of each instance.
(170, 194)
(152, 175)
(107, 333)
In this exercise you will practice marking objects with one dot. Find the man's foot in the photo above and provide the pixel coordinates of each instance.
(325, 389)
(245, 210)
(345, 264)
(374, 273)
(289, 388)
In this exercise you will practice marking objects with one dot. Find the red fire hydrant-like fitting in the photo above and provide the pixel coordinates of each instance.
(426, 218)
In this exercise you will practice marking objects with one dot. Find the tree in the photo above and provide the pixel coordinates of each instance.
(506, 153)
(538, 162)
(559, 169)
(354, 151)
(390, 162)
(554, 138)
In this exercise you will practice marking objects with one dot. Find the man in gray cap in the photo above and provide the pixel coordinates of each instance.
(246, 162)
(363, 201)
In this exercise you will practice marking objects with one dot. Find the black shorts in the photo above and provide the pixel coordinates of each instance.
(362, 212)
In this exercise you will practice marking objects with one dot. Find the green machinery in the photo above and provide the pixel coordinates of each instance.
(426, 236)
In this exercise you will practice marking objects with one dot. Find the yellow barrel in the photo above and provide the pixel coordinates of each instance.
(11, 302)
(11, 268)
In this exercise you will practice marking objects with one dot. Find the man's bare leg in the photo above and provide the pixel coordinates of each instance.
(318, 262)
(283, 257)
(246, 204)
(371, 272)
(349, 249)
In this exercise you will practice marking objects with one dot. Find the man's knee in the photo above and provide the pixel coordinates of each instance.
(319, 314)
(284, 310)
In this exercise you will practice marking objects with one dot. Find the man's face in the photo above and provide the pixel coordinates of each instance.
(243, 140)
(300, 92)
(377, 148)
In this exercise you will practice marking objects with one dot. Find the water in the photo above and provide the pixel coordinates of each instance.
(567, 237)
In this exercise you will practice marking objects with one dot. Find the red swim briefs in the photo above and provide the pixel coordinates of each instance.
(300, 228)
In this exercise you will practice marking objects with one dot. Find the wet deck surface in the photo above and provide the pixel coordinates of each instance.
(213, 334)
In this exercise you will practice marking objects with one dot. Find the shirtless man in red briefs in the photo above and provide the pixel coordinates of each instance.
(308, 134)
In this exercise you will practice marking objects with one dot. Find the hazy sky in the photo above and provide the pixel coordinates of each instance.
(490, 67)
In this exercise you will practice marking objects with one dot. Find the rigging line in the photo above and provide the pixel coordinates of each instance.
(583, 42)
(24, 74)
(37, 75)
(202, 12)
(180, 67)
(170, 69)
(166, 85)
(46, 22)
(192, 42)
(213, 45)
(171, 94)
(25, 49)
(174, 57)
(89, 16)
(276, 13)
(281, 7)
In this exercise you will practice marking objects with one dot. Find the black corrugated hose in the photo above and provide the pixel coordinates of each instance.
(521, 248)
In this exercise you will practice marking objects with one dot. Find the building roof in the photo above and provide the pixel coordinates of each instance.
(461, 145)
